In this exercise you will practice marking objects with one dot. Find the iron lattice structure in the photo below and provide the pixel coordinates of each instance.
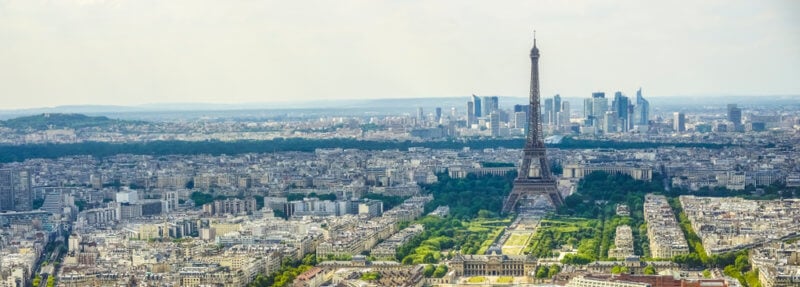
(534, 178)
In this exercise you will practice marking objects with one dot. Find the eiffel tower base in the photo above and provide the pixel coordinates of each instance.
(526, 190)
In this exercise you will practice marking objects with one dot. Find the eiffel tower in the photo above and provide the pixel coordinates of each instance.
(534, 178)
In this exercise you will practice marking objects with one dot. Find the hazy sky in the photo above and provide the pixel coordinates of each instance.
(129, 52)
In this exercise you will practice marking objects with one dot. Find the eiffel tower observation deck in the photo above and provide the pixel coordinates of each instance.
(535, 179)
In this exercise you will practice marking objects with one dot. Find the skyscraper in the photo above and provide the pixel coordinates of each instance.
(641, 112)
(471, 114)
(15, 190)
(494, 124)
(734, 114)
(610, 120)
(490, 105)
(534, 178)
(599, 108)
(547, 115)
(476, 106)
(557, 103)
(524, 109)
(438, 115)
(679, 122)
(520, 120)
(554, 118)
(620, 106)
(588, 117)
(564, 114)
(420, 116)
(6, 190)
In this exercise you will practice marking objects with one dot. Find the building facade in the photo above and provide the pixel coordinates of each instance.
(493, 264)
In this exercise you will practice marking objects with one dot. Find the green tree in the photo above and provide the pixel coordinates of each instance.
(576, 259)
(542, 272)
(428, 271)
(706, 273)
(371, 276)
(440, 271)
(649, 270)
(742, 263)
(37, 280)
(408, 260)
(428, 258)
(483, 213)
(310, 259)
(617, 269)
(554, 270)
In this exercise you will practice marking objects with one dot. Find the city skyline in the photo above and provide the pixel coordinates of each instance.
(133, 53)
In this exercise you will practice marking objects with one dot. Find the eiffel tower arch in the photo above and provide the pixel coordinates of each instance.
(535, 178)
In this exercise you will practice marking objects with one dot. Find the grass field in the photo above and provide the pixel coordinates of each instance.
(516, 243)
(476, 279)
(518, 239)
(556, 231)
(492, 237)
(494, 227)
(512, 250)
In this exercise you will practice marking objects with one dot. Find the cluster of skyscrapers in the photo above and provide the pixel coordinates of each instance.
(622, 116)
(477, 108)
(489, 108)
(556, 111)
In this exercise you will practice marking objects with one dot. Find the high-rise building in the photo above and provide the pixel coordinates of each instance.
(471, 119)
(563, 115)
(494, 124)
(679, 122)
(554, 118)
(620, 106)
(547, 115)
(735, 115)
(588, 117)
(6, 190)
(476, 106)
(524, 109)
(599, 108)
(438, 115)
(610, 122)
(557, 103)
(23, 195)
(520, 120)
(15, 190)
(641, 112)
(420, 115)
(490, 105)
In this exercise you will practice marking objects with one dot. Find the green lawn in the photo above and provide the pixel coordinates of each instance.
(492, 227)
(476, 279)
(489, 241)
(505, 279)
(516, 243)
(517, 239)
(512, 250)
(557, 231)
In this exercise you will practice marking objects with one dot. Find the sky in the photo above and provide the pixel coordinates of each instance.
(132, 52)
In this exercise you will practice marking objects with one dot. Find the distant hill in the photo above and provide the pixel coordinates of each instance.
(391, 106)
(60, 121)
